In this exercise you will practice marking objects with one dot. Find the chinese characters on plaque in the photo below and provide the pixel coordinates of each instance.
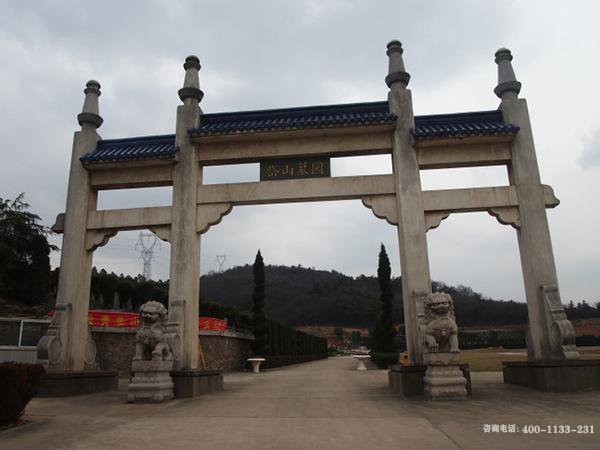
(285, 169)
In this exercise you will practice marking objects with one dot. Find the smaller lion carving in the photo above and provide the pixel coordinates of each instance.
(441, 331)
(150, 338)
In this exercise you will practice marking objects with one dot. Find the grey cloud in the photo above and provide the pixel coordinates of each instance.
(264, 54)
(590, 155)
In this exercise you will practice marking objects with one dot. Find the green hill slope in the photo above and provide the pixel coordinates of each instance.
(305, 296)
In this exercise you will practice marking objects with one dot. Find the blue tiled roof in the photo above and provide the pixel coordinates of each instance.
(426, 127)
(295, 118)
(128, 149)
(462, 124)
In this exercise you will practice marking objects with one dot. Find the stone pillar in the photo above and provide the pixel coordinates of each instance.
(551, 335)
(68, 345)
(184, 285)
(414, 260)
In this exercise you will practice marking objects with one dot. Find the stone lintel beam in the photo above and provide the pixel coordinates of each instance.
(300, 190)
(129, 219)
(99, 238)
(128, 164)
(479, 199)
(501, 202)
(132, 177)
(450, 142)
(376, 192)
(364, 187)
(252, 147)
(461, 155)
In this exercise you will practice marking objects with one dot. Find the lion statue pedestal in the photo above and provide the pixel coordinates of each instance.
(153, 360)
(443, 379)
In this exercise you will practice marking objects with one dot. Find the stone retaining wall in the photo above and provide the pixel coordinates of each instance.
(223, 351)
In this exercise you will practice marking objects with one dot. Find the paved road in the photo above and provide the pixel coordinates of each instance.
(318, 405)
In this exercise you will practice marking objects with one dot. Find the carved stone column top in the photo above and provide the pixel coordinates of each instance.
(396, 71)
(90, 113)
(191, 82)
(508, 86)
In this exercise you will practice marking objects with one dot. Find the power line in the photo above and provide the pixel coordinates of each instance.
(146, 243)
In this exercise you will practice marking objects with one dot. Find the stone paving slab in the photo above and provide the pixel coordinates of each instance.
(318, 405)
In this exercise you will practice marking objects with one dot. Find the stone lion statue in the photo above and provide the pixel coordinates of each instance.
(150, 339)
(441, 331)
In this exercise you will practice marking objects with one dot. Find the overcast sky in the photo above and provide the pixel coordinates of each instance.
(259, 54)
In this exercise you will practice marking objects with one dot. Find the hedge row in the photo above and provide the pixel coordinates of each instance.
(492, 338)
(482, 339)
(384, 360)
(18, 385)
(290, 346)
(587, 340)
(500, 338)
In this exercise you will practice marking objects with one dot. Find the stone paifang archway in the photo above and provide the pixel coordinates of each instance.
(289, 143)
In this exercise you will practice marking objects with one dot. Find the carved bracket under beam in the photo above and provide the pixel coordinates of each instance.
(507, 215)
(562, 333)
(59, 224)
(98, 238)
(163, 232)
(433, 219)
(211, 214)
(383, 206)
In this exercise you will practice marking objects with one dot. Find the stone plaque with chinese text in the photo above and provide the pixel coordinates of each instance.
(285, 169)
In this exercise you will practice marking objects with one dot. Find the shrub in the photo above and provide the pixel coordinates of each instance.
(384, 360)
(18, 385)
(586, 340)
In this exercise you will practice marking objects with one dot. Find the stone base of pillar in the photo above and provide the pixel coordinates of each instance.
(65, 384)
(554, 376)
(151, 382)
(191, 383)
(443, 379)
(408, 380)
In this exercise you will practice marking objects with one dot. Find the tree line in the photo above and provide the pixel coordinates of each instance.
(297, 295)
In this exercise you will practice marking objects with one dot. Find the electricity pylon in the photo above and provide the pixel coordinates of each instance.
(221, 261)
(146, 244)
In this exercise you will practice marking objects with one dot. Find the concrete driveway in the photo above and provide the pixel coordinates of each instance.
(318, 405)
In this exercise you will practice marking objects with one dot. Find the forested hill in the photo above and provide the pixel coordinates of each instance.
(303, 296)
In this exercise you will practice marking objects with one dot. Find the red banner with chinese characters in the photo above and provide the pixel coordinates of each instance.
(100, 318)
(212, 324)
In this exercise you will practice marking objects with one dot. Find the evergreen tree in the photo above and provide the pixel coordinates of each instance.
(260, 344)
(24, 253)
(385, 331)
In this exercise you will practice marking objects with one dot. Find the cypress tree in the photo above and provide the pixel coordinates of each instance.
(260, 343)
(385, 328)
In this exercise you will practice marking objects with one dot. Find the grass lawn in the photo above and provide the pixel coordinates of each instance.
(490, 359)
